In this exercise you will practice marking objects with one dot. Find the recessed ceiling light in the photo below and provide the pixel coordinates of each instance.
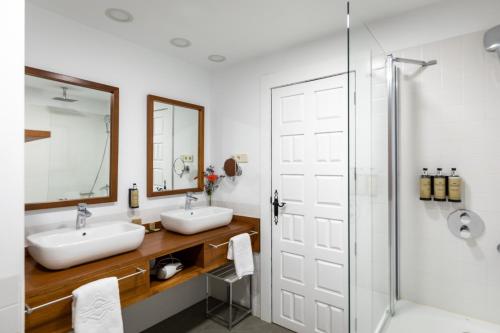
(216, 58)
(180, 42)
(119, 15)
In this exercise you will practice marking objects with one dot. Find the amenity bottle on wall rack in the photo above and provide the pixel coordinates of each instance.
(425, 185)
(133, 196)
(439, 186)
(454, 186)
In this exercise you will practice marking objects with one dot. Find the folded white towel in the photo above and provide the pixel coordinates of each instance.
(96, 307)
(240, 250)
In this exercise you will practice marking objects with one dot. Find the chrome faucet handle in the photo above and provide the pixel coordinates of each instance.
(81, 215)
(191, 196)
(82, 209)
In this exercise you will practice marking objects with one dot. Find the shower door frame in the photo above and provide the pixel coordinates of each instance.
(392, 76)
(393, 189)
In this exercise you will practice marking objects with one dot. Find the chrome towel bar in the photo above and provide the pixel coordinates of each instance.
(251, 233)
(29, 310)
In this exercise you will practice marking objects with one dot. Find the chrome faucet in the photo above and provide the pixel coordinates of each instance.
(81, 215)
(189, 199)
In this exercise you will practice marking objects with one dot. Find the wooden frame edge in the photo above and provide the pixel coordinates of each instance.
(149, 149)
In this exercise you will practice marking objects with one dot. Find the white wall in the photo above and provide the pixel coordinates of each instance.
(450, 118)
(11, 146)
(57, 44)
(236, 103)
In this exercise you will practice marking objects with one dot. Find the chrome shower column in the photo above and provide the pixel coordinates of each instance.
(392, 88)
(392, 72)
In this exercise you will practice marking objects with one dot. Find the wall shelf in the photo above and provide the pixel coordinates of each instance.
(33, 135)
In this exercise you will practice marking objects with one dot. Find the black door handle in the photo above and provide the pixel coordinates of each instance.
(276, 206)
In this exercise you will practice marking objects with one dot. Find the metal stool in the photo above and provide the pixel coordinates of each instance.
(227, 313)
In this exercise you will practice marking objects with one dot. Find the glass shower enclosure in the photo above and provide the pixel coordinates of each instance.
(427, 82)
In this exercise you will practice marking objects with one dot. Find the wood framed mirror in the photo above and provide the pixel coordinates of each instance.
(71, 140)
(175, 147)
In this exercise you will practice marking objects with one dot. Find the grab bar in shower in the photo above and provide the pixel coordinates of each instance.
(251, 233)
(29, 310)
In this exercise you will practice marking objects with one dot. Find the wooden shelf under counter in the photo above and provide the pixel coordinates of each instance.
(43, 285)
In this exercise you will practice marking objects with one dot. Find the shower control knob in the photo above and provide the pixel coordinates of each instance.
(465, 232)
(465, 224)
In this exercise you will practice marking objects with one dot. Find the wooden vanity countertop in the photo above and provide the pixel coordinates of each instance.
(39, 279)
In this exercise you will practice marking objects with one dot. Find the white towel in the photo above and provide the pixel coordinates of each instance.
(240, 250)
(96, 307)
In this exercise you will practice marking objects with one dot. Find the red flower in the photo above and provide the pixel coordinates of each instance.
(212, 178)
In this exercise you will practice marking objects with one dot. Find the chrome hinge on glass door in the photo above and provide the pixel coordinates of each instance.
(276, 206)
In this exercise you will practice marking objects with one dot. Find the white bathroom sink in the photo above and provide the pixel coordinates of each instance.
(63, 248)
(195, 220)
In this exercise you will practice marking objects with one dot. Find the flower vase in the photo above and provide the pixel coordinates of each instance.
(209, 199)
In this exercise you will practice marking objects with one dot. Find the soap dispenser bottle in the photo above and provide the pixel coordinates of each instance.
(425, 186)
(439, 186)
(454, 186)
(133, 196)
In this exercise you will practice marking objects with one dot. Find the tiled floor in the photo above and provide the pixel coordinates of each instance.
(193, 320)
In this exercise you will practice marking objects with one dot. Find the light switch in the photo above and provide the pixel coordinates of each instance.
(187, 158)
(241, 158)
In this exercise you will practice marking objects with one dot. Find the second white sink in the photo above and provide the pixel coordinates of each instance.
(196, 220)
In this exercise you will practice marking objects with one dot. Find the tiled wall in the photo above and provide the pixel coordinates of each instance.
(11, 146)
(450, 117)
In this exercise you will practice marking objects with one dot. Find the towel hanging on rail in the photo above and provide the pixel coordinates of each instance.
(240, 250)
(96, 307)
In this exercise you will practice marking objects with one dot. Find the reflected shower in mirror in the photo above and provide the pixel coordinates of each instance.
(175, 146)
(68, 150)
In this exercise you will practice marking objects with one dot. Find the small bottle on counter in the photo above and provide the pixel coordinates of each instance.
(133, 196)
(439, 186)
(454, 186)
(425, 185)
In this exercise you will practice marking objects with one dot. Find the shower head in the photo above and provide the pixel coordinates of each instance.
(64, 97)
(492, 40)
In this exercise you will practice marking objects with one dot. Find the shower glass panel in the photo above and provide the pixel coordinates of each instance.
(370, 258)
(417, 270)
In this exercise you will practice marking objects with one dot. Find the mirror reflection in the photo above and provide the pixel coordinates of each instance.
(67, 150)
(175, 151)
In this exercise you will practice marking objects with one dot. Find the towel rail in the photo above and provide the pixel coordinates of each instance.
(251, 233)
(29, 310)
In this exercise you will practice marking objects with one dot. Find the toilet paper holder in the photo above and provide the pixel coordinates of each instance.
(465, 224)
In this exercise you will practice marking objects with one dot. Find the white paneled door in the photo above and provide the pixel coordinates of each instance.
(310, 174)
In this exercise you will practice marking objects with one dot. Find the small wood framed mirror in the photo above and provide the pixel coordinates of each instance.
(232, 168)
(71, 135)
(175, 147)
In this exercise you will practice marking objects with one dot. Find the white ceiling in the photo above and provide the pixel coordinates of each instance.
(237, 29)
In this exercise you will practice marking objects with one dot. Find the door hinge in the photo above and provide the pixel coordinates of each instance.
(355, 324)
(355, 248)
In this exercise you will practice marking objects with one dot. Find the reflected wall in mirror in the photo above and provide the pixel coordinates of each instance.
(175, 146)
(71, 135)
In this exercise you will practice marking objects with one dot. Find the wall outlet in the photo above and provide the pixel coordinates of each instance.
(187, 158)
(241, 158)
